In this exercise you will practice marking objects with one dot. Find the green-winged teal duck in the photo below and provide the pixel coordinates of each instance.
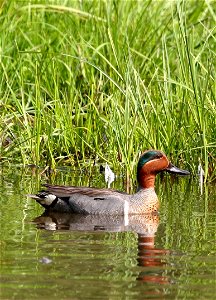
(85, 200)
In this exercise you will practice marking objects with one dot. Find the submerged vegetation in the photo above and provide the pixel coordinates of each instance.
(106, 80)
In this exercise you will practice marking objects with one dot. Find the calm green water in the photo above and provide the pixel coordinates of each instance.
(172, 256)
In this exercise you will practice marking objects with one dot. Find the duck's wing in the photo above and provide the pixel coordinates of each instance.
(105, 205)
(84, 200)
(67, 191)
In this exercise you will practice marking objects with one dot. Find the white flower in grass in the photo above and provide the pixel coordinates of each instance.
(109, 175)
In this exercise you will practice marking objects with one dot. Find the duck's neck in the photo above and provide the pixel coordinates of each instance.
(146, 181)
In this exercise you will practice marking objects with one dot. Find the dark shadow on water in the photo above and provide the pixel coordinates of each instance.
(151, 259)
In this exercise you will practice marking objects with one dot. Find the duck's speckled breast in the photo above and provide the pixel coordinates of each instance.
(144, 201)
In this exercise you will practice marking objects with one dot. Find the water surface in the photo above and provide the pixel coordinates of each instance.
(170, 256)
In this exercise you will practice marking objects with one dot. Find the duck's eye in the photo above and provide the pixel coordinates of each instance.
(158, 156)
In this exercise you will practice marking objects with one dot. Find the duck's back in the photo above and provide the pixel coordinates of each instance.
(85, 200)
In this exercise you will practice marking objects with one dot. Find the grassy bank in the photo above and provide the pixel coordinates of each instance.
(107, 80)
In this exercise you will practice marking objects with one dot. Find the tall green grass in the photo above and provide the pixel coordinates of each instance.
(106, 80)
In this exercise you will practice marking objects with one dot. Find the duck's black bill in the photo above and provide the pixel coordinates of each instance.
(174, 170)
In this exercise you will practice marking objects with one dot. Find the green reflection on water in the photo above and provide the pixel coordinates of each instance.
(101, 265)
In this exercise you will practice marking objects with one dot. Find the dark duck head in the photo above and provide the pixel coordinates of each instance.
(150, 164)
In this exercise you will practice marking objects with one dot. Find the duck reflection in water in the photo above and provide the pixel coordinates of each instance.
(149, 257)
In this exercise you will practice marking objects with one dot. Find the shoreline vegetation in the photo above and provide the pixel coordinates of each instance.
(106, 80)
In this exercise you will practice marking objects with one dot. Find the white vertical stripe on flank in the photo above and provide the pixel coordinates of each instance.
(126, 211)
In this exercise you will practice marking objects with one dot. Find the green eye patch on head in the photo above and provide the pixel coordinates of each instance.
(146, 157)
